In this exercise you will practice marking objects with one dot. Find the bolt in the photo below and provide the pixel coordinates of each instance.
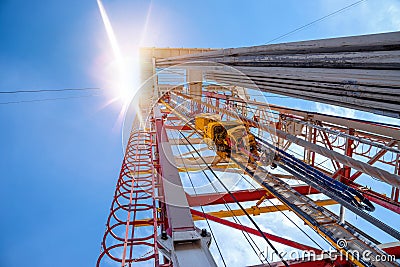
(204, 232)
(164, 235)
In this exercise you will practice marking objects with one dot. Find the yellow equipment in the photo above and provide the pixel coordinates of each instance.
(203, 119)
(226, 136)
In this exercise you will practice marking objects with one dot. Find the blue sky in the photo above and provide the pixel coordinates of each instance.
(60, 159)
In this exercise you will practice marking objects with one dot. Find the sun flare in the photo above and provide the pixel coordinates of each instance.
(123, 90)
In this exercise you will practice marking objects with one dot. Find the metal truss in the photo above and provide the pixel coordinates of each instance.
(152, 218)
(321, 220)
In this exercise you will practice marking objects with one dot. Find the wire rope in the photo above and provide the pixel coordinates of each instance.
(49, 90)
(237, 202)
(202, 209)
(248, 238)
(315, 21)
(45, 99)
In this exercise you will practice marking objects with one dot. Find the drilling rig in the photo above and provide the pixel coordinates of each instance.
(204, 146)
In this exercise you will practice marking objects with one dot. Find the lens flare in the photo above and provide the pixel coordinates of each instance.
(110, 31)
(124, 76)
(123, 88)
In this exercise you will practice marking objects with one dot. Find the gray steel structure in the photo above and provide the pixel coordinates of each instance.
(185, 246)
(360, 72)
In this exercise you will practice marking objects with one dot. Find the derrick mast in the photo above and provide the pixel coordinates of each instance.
(206, 146)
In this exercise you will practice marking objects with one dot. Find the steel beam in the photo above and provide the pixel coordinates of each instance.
(254, 231)
(392, 248)
(371, 42)
(374, 159)
(255, 210)
(241, 196)
(183, 241)
(357, 72)
(178, 127)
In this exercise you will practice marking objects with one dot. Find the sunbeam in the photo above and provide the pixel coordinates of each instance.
(124, 91)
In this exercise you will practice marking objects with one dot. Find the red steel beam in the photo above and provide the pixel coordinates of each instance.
(240, 195)
(392, 250)
(216, 95)
(170, 118)
(178, 127)
(374, 159)
(348, 152)
(250, 230)
(314, 140)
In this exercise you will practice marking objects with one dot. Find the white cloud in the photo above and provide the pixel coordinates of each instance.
(355, 114)
(371, 16)
(334, 110)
